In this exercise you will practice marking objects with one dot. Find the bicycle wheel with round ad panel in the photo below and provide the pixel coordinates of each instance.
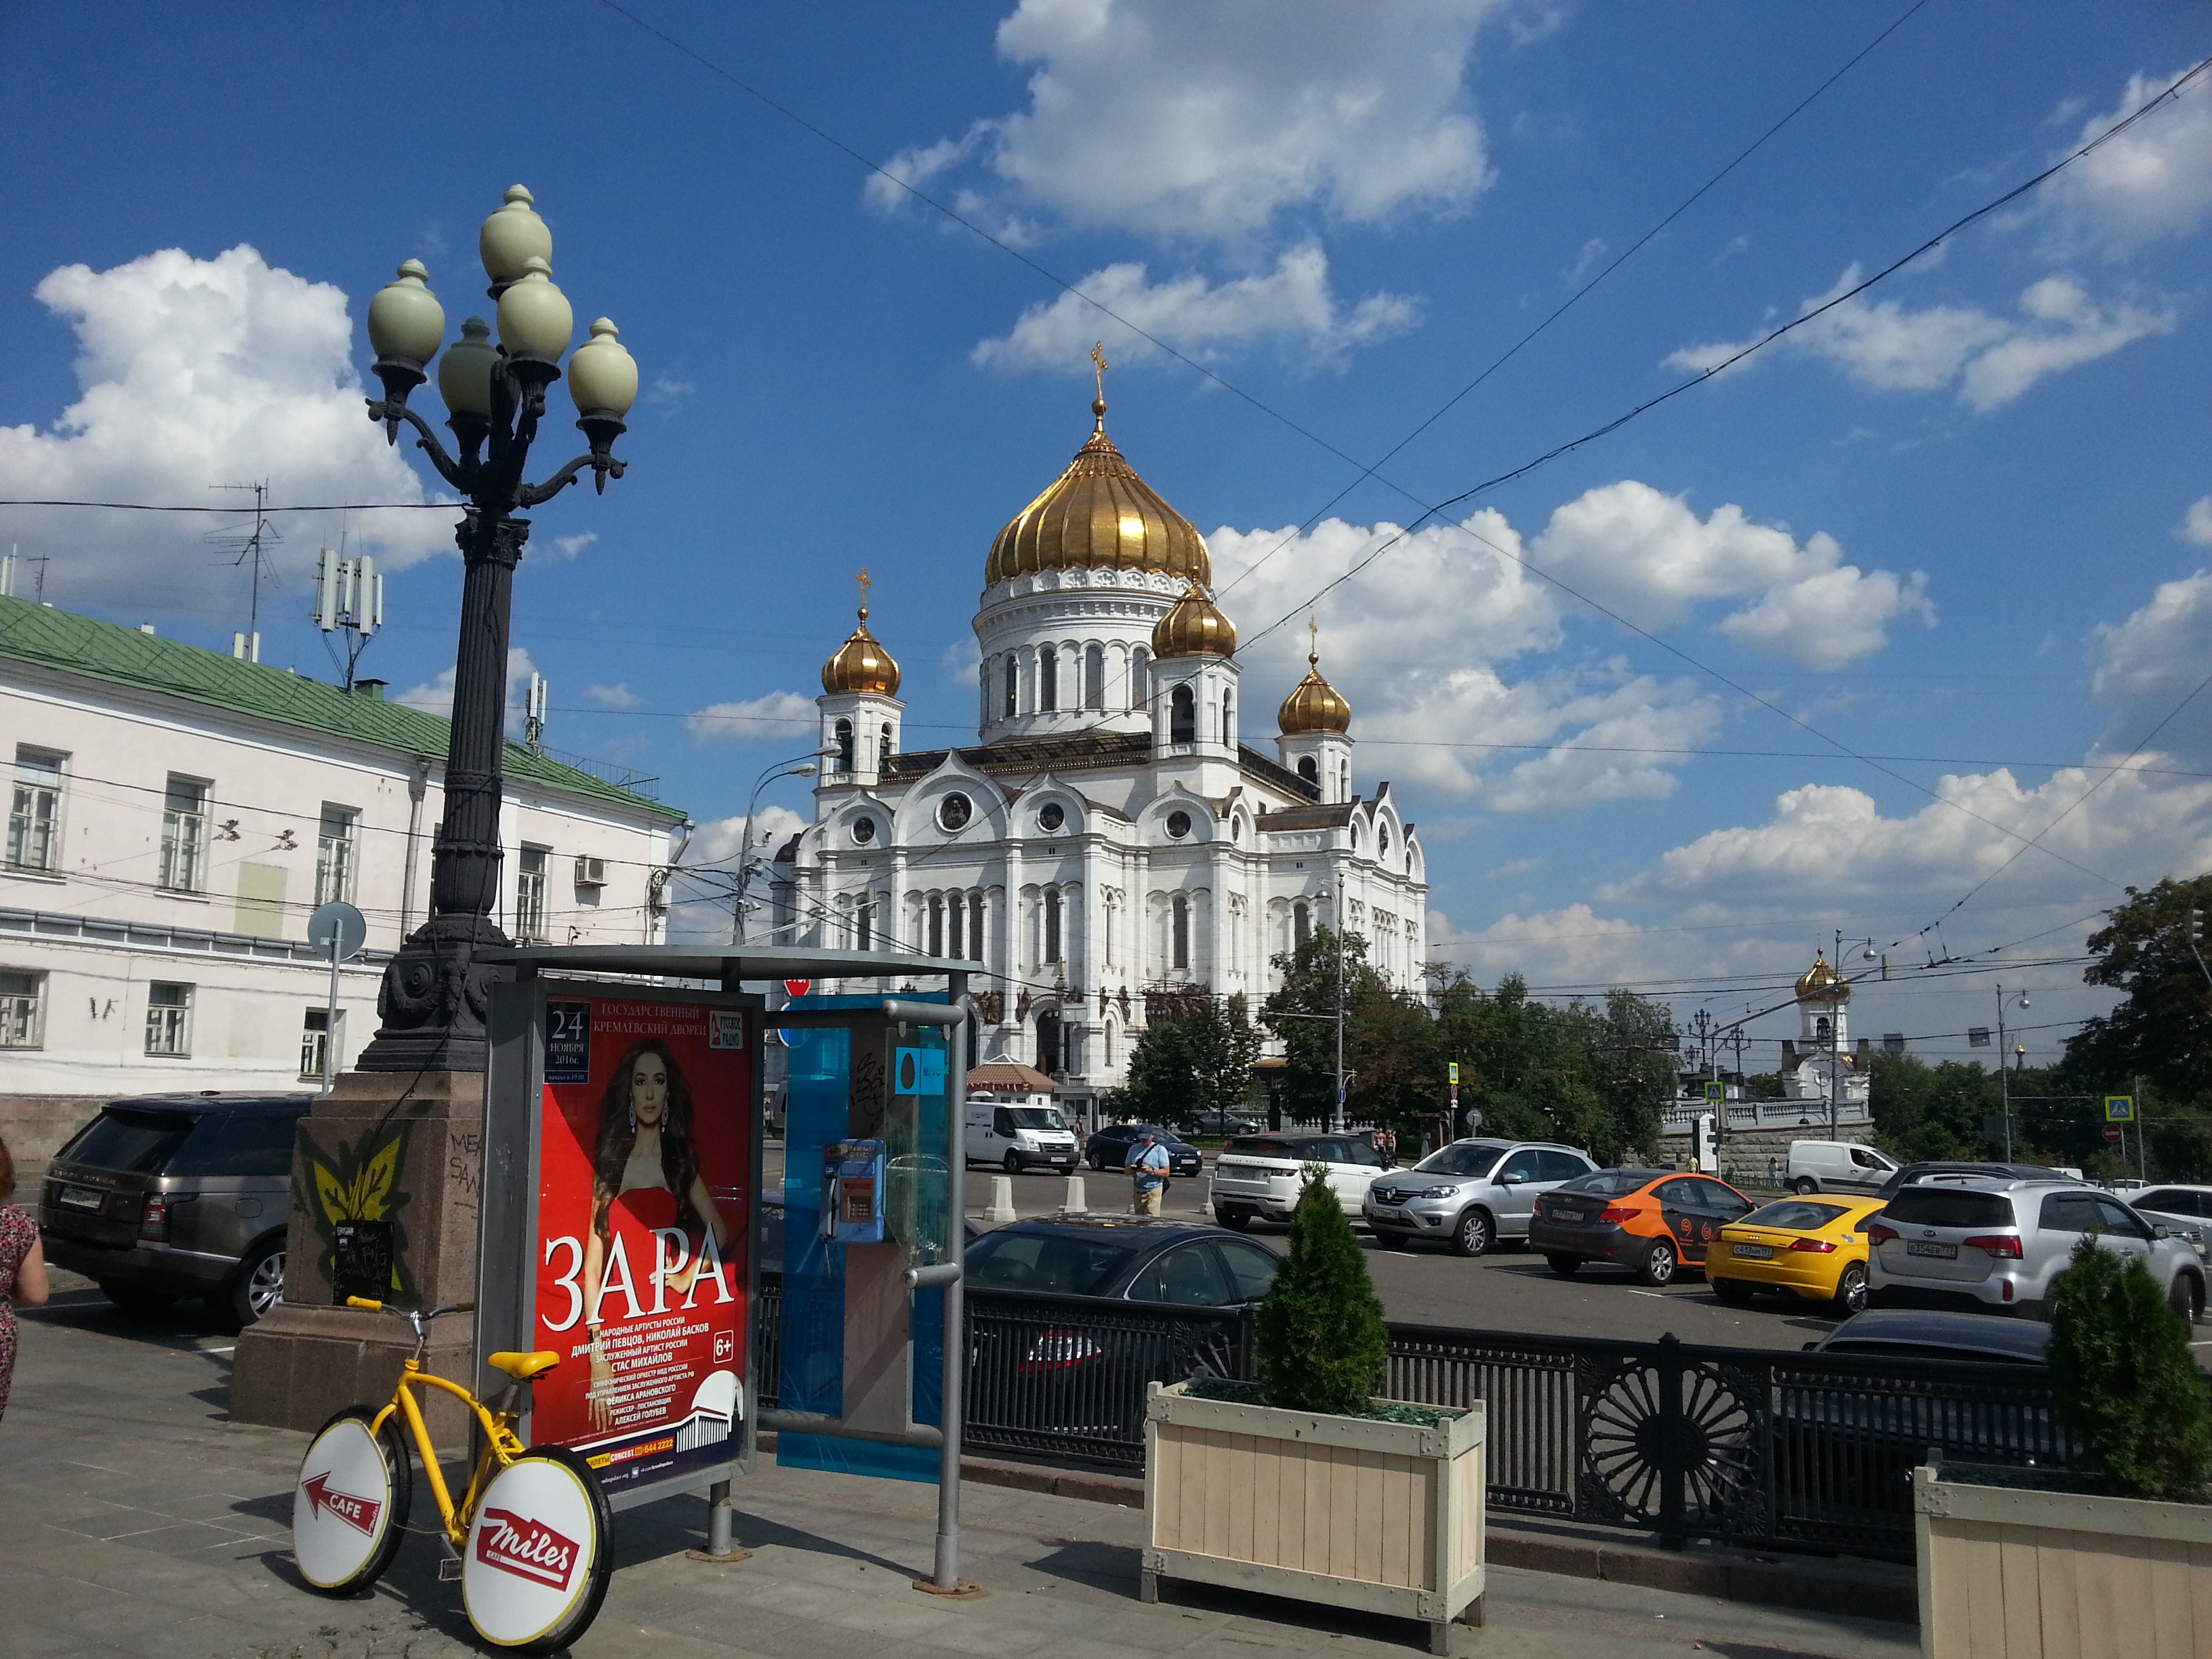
(350, 1505)
(539, 1552)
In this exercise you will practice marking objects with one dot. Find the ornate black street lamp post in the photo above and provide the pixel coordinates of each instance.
(432, 1001)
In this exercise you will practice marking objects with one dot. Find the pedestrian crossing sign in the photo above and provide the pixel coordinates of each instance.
(2120, 1109)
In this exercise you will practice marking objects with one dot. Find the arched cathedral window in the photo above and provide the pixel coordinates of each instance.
(1014, 686)
(1309, 771)
(1048, 680)
(844, 742)
(1094, 677)
(1182, 717)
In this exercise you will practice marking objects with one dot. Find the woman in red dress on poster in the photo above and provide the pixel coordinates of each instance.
(645, 1175)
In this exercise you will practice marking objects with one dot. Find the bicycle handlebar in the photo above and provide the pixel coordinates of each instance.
(423, 1314)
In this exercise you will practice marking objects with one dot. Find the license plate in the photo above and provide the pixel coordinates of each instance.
(1568, 1215)
(1388, 1214)
(81, 1198)
(1920, 1247)
(1754, 1252)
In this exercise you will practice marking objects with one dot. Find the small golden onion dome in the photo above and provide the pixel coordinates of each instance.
(1193, 627)
(1099, 514)
(1821, 983)
(1314, 705)
(861, 664)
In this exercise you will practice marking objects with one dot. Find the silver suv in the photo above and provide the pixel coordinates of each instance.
(177, 1195)
(1470, 1194)
(1989, 1245)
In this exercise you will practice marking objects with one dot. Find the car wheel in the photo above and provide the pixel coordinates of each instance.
(1659, 1264)
(133, 1298)
(1806, 1186)
(1239, 1219)
(1013, 1164)
(1731, 1290)
(1565, 1265)
(256, 1287)
(2187, 1297)
(1851, 1290)
(1474, 1234)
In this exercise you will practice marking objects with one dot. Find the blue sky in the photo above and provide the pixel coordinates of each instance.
(1962, 520)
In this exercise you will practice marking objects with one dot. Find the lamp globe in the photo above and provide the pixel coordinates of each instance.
(513, 236)
(603, 376)
(404, 318)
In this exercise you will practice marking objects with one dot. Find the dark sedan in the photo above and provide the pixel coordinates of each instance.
(1109, 1148)
(1158, 1299)
(1913, 1174)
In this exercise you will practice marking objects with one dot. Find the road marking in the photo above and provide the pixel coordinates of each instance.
(1661, 1294)
(231, 1349)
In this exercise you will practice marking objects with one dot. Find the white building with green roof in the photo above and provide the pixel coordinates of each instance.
(175, 815)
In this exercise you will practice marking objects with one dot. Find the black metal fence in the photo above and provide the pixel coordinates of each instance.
(1754, 1446)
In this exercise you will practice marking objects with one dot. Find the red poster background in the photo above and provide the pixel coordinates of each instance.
(677, 1350)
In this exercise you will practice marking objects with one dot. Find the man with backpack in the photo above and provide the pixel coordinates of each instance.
(1148, 1168)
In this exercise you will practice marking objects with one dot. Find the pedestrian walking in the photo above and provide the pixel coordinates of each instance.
(1386, 1142)
(22, 1269)
(1148, 1173)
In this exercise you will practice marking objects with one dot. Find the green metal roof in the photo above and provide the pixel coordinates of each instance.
(71, 644)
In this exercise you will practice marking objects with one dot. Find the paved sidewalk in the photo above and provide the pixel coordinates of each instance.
(136, 1519)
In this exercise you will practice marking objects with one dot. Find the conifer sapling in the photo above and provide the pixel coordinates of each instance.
(1321, 1343)
(2126, 1382)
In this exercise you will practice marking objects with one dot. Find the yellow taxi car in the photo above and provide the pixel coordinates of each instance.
(1816, 1248)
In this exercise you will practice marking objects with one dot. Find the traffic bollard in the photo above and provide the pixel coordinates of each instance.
(1001, 1209)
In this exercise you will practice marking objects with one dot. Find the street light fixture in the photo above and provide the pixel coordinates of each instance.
(796, 766)
(435, 994)
(2017, 999)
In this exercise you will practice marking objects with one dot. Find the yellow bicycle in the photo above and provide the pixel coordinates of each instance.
(529, 1538)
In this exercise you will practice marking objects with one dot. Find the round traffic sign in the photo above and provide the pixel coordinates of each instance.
(338, 922)
(797, 987)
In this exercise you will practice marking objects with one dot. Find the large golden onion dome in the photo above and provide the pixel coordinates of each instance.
(1314, 704)
(1193, 627)
(1099, 515)
(861, 664)
(1821, 983)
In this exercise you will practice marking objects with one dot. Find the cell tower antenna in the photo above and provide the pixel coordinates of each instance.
(252, 544)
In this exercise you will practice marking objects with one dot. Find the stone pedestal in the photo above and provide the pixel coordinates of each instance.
(405, 1148)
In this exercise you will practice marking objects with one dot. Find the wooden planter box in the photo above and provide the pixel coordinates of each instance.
(1387, 1517)
(2012, 1574)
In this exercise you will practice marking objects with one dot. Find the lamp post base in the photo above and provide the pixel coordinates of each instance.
(432, 1004)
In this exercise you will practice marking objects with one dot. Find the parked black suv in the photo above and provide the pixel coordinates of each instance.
(175, 1195)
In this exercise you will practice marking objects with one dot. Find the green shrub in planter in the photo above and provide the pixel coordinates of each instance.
(1321, 1345)
(2126, 1382)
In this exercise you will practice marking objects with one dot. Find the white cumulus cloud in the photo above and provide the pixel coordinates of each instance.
(2197, 526)
(781, 715)
(435, 696)
(1293, 303)
(1885, 346)
(194, 372)
(614, 696)
(1210, 123)
(2154, 180)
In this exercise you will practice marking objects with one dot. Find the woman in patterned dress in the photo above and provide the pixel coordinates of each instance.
(22, 1269)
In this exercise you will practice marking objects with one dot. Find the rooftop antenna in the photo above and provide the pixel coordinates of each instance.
(350, 602)
(252, 546)
(13, 562)
(533, 713)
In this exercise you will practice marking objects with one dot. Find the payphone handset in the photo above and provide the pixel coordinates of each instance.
(852, 1192)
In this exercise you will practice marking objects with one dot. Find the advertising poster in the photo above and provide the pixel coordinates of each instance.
(645, 1219)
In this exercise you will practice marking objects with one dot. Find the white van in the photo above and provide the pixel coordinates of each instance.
(1018, 1132)
(1838, 1166)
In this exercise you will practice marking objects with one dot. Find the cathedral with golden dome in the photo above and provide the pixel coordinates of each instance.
(1110, 845)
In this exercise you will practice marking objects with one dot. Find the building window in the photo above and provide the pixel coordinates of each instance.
(530, 896)
(863, 925)
(22, 996)
(1308, 770)
(1229, 718)
(1140, 689)
(957, 912)
(1179, 824)
(1094, 677)
(1048, 681)
(183, 836)
(169, 1019)
(34, 812)
(843, 740)
(936, 946)
(1179, 932)
(887, 748)
(1182, 717)
(334, 855)
(1301, 923)
(974, 927)
(954, 812)
(315, 1041)
(1014, 686)
(1051, 924)
(1108, 1039)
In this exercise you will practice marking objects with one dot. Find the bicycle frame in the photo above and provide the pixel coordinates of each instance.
(501, 1445)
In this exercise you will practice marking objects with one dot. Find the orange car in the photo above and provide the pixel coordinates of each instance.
(1653, 1222)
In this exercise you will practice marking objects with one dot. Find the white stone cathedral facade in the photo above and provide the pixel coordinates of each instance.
(1109, 844)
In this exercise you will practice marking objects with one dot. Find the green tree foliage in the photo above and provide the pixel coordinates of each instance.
(1198, 1062)
(1922, 1111)
(2126, 1383)
(1318, 1339)
(2162, 1031)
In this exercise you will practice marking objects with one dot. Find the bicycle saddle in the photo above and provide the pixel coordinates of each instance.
(523, 1366)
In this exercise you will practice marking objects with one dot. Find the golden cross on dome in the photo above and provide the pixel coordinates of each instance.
(865, 585)
(1098, 357)
(1313, 656)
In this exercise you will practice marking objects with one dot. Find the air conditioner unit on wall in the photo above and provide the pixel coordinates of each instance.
(591, 873)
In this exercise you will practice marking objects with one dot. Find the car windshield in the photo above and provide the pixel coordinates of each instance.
(136, 1141)
(1037, 1117)
(1460, 1159)
(1948, 1207)
(1058, 1264)
(1795, 1215)
(1608, 1183)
